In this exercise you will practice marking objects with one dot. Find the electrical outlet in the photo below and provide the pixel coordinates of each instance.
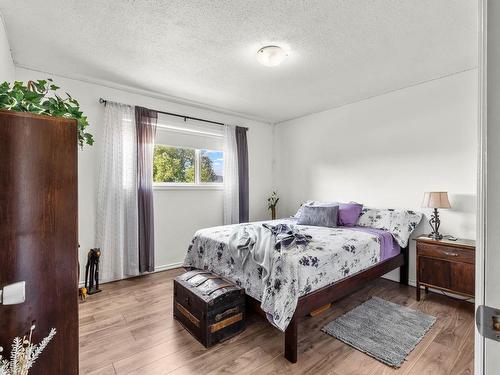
(13, 294)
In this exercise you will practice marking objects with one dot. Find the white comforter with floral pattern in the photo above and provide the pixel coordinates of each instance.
(331, 255)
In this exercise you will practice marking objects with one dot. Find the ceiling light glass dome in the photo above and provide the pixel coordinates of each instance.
(271, 55)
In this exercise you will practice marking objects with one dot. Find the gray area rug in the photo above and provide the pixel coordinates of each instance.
(384, 330)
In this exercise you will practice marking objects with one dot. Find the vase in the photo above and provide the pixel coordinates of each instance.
(273, 213)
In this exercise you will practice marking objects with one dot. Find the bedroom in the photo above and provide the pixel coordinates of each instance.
(376, 102)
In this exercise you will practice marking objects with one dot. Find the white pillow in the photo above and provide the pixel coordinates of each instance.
(400, 223)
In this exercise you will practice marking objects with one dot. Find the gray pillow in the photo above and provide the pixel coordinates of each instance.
(319, 216)
(313, 203)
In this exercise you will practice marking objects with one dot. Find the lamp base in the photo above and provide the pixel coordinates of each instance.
(435, 236)
(435, 223)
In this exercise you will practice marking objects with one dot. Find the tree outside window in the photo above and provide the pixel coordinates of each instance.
(177, 165)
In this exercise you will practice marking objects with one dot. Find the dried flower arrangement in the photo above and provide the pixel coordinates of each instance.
(23, 354)
(272, 202)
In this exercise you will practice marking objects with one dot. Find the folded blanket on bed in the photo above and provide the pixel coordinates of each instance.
(268, 246)
(255, 241)
(259, 241)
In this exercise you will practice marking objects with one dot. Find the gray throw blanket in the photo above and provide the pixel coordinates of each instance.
(259, 241)
(253, 240)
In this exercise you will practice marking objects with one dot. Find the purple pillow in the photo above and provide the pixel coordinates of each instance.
(349, 214)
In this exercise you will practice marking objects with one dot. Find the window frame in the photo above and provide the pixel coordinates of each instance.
(197, 185)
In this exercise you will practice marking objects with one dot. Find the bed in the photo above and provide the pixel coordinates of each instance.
(333, 263)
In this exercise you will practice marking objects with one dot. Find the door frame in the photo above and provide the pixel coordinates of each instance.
(481, 222)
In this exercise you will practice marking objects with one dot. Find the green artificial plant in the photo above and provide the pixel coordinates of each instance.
(40, 97)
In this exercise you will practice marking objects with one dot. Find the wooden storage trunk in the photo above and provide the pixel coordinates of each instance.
(211, 308)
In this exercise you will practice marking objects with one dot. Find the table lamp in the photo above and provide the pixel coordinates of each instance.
(435, 200)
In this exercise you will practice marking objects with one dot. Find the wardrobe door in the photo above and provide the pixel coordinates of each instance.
(38, 234)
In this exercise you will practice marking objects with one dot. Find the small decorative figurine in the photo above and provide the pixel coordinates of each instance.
(82, 292)
(92, 271)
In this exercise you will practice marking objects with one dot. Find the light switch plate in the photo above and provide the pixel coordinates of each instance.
(14, 294)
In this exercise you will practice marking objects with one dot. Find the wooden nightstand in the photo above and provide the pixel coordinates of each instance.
(446, 265)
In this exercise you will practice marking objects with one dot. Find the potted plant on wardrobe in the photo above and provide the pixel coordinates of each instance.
(41, 98)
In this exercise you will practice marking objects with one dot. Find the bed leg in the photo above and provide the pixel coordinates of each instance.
(404, 270)
(291, 341)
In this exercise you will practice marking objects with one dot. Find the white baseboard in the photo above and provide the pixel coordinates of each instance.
(168, 266)
(164, 267)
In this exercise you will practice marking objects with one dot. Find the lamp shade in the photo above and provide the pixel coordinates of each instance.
(436, 199)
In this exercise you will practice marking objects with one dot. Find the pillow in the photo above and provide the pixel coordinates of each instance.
(299, 211)
(349, 213)
(400, 223)
(319, 216)
(312, 203)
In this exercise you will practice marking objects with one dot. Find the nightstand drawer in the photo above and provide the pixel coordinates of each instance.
(452, 276)
(446, 252)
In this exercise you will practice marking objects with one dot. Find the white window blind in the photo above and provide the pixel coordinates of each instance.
(173, 131)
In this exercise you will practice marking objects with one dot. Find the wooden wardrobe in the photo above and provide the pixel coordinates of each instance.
(39, 234)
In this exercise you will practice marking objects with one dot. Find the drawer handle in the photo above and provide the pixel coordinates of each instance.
(451, 254)
(234, 310)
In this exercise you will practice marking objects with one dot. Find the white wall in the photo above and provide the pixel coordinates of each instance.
(6, 63)
(386, 151)
(178, 213)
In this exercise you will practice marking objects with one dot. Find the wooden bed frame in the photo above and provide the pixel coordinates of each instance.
(330, 293)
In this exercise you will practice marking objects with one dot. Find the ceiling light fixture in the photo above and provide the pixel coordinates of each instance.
(271, 55)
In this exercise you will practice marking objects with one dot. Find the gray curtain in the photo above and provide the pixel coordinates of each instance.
(145, 120)
(242, 150)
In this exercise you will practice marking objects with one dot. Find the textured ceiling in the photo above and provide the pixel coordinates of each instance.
(340, 51)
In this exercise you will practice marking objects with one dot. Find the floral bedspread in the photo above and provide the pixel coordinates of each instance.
(332, 254)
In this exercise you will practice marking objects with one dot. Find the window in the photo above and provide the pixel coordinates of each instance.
(211, 166)
(187, 155)
(178, 166)
(174, 164)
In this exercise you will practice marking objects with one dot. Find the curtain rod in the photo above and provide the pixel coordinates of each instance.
(104, 101)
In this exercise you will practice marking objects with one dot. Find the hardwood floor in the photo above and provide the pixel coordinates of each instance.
(129, 329)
